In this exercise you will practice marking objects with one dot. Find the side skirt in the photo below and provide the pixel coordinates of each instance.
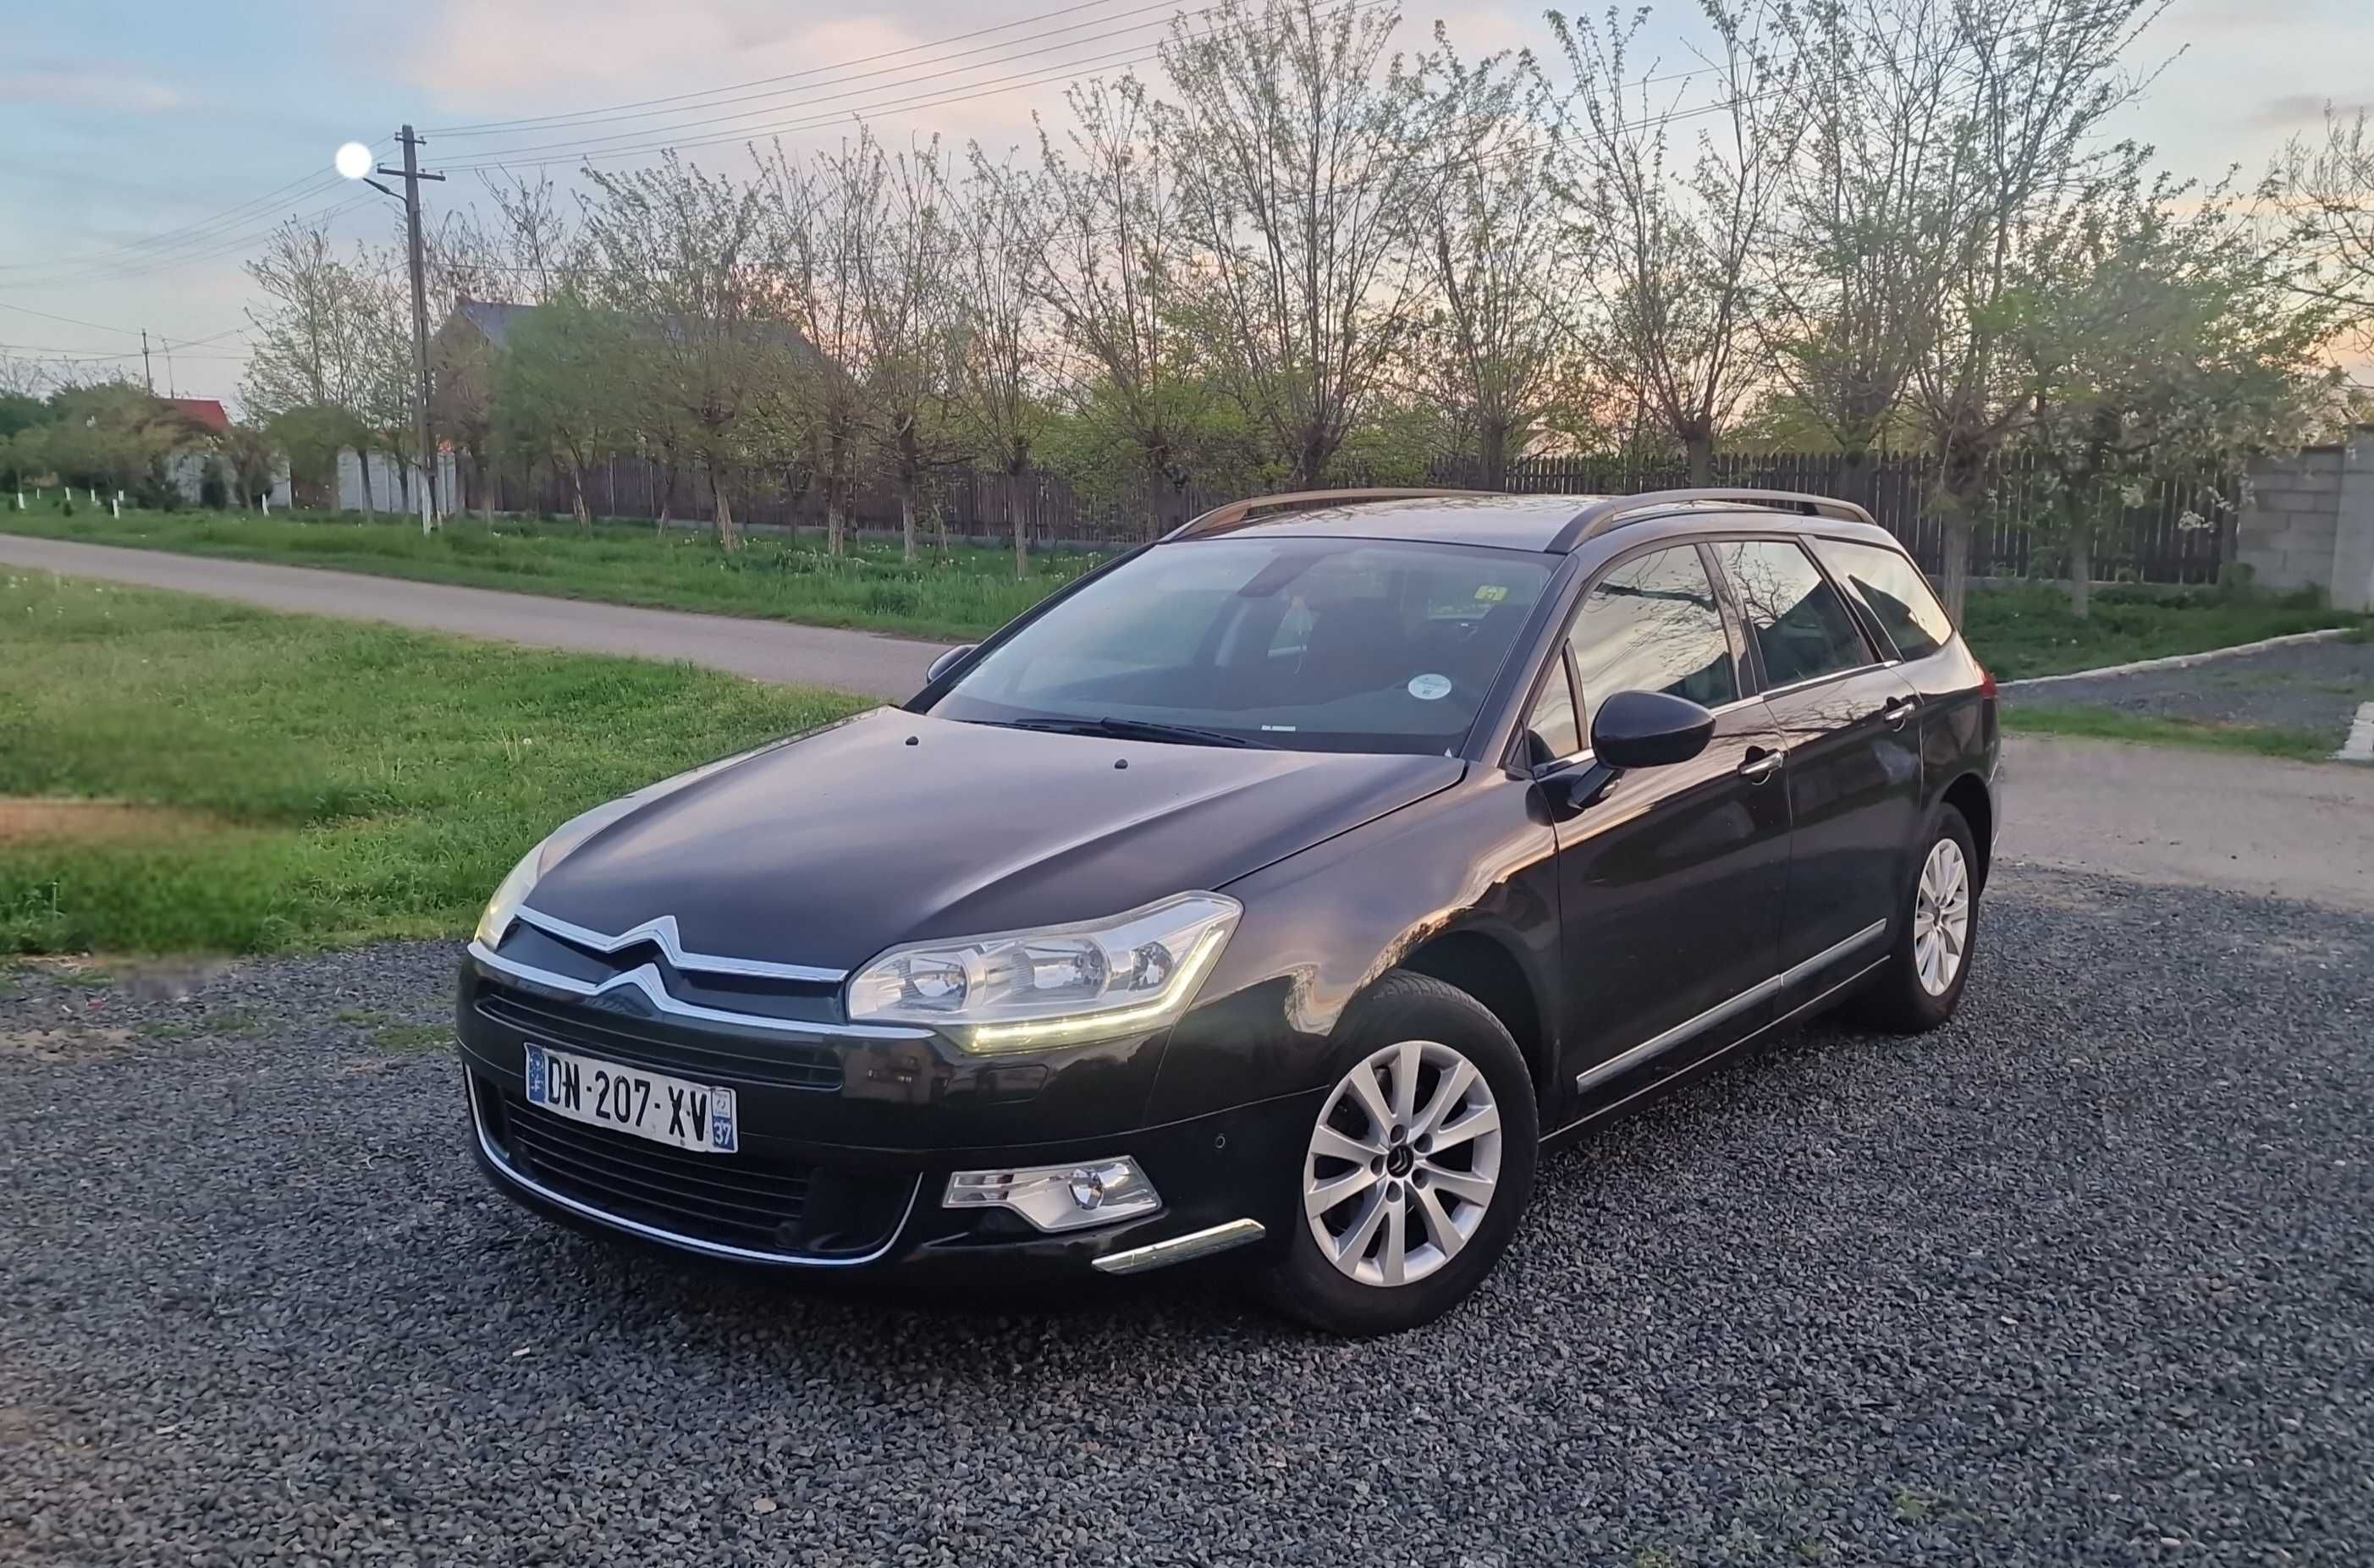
(1685, 1075)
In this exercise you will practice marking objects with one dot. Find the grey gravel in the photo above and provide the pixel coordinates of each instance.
(2311, 685)
(2083, 1277)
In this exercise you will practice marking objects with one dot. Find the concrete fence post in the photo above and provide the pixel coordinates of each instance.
(2352, 532)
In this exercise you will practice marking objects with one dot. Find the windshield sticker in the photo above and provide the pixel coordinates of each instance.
(1429, 688)
(1492, 594)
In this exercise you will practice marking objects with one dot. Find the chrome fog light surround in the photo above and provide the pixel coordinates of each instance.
(1059, 1197)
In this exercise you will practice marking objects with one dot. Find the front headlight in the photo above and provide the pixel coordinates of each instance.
(1056, 986)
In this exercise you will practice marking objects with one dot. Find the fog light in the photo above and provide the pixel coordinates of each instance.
(1059, 1197)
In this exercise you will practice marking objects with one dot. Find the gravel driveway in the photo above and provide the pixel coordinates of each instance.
(2088, 1277)
(2314, 686)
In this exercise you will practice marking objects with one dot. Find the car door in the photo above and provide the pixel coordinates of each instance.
(1849, 724)
(1671, 880)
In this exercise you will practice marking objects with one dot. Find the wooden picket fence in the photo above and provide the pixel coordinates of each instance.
(2180, 533)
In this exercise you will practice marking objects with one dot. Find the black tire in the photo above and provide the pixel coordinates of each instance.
(1895, 999)
(1304, 1283)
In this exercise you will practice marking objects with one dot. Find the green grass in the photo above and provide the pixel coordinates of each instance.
(969, 591)
(323, 782)
(2304, 745)
(966, 592)
(2029, 630)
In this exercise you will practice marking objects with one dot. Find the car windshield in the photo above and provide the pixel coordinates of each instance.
(1349, 645)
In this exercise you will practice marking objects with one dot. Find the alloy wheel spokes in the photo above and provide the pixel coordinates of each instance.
(1941, 918)
(1402, 1163)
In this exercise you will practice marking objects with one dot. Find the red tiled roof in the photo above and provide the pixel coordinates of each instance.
(204, 411)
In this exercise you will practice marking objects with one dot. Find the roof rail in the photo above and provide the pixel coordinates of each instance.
(1600, 516)
(1236, 514)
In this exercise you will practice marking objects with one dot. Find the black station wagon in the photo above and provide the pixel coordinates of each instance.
(1275, 890)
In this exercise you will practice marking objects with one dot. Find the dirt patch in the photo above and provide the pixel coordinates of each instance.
(61, 1045)
(86, 821)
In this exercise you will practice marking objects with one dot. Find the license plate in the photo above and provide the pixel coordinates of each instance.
(698, 1117)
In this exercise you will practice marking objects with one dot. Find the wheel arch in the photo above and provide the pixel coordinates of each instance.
(1480, 964)
(1968, 795)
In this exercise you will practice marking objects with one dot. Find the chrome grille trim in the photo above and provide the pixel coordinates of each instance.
(646, 979)
(661, 931)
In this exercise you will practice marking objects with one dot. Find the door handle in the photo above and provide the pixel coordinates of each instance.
(1760, 764)
(1896, 709)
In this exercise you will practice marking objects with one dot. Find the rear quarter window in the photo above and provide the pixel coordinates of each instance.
(1898, 595)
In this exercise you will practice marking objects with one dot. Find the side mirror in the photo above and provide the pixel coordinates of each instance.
(1648, 729)
(948, 661)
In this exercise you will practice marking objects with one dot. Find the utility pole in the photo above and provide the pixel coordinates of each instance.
(147, 374)
(412, 176)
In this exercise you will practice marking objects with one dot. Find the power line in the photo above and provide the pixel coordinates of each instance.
(597, 115)
(581, 147)
(1036, 76)
(296, 190)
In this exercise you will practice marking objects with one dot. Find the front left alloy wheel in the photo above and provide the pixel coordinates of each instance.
(1417, 1165)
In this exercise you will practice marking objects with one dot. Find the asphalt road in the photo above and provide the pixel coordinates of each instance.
(2314, 686)
(767, 650)
(2081, 1279)
(2183, 817)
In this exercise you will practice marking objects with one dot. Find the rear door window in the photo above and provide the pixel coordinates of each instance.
(1898, 595)
(1652, 625)
(1803, 629)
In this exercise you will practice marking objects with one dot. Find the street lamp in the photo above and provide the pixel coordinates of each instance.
(353, 160)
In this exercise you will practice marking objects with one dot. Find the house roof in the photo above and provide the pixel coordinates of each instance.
(492, 317)
(205, 412)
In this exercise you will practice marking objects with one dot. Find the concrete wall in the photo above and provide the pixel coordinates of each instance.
(2309, 522)
(388, 491)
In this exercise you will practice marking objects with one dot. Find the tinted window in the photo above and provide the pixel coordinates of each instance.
(1800, 625)
(1652, 625)
(1310, 644)
(1553, 717)
(1896, 591)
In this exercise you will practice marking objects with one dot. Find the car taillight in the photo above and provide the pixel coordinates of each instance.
(1986, 683)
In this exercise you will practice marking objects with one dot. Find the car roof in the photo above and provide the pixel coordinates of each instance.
(1542, 523)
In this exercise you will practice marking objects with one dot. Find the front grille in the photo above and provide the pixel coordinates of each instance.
(779, 1208)
(642, 1041)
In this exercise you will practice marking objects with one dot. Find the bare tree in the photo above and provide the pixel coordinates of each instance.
(2038, 77)
(908, 318)
(310, 338)
(1504, 274)
(680, 255)
(1115, 278)
(1856, 281)
(1299, 172)
(825, 215)
(1677, 245)
(2328, 189)
(22, 378)
(1001, 226)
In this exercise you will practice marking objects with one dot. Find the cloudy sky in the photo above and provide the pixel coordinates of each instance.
(145, 145)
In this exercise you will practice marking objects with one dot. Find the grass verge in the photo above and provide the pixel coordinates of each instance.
(969, 591)
(2028, 630)
(308, 782)
(964, 591)
(2302, 745)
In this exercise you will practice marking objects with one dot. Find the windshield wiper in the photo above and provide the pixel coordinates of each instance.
(1139, 730)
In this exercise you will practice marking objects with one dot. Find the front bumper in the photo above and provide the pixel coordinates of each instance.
(796, 1198)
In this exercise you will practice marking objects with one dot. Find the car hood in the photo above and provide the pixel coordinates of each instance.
(892, 826)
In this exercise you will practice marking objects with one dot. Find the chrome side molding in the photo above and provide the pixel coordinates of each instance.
(1722, 1010)
(1178, 1249)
